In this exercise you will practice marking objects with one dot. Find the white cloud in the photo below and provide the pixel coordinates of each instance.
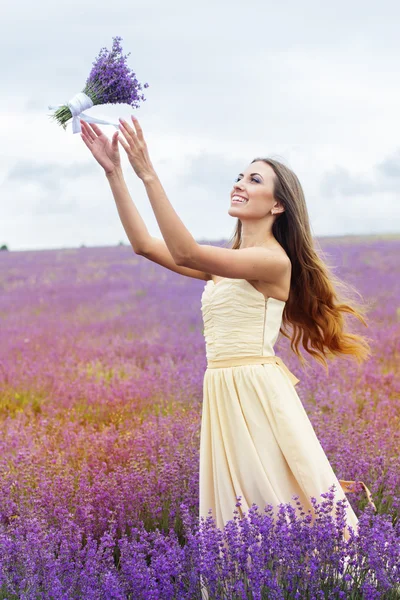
(313, 83)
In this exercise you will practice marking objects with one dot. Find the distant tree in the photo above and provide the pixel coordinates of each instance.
(4, 247)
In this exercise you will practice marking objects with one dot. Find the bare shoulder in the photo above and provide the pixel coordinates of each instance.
(279, 288)
(280, 255)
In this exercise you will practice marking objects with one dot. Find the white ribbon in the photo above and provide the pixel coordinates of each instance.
(77, 105)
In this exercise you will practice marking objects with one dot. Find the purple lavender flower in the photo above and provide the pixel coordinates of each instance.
(110, 81)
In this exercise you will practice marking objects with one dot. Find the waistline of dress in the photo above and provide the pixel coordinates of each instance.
(239, 361)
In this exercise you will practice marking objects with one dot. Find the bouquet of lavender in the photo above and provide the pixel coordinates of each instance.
(110, 82)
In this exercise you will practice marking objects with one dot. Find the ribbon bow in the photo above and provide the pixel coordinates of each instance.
(77, 105)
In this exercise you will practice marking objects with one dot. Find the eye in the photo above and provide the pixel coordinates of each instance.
(252, 178)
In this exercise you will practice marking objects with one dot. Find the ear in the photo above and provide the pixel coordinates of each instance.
(278, 208)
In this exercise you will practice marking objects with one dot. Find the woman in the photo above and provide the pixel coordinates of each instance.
(256, 439)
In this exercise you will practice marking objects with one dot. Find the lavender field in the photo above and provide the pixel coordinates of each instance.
(102, 358)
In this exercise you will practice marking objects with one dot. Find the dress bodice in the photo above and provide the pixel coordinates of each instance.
(238, 319)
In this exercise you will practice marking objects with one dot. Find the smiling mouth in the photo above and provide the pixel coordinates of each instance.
(239, 200)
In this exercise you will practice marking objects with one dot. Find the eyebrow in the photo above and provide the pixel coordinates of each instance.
(241, 174)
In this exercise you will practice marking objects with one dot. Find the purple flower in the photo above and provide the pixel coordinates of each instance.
(110, 81)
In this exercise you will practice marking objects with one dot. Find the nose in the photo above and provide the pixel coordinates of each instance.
(237, 186)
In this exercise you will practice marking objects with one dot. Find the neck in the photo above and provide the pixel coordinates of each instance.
(257, 233)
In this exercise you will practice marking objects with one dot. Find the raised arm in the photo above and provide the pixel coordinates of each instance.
(141, 241)
(253, 263)
(132, 222)
(107, 155)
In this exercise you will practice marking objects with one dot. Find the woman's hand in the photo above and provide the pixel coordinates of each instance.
(136, 149)
(105, 152)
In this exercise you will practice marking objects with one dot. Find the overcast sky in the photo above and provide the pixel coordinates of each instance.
(313, 84)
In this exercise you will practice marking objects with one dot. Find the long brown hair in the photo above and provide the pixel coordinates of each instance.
(314, 310)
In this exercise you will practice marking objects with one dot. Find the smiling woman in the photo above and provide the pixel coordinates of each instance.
(257, 442)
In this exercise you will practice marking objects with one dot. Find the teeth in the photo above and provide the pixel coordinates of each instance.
(238, 199)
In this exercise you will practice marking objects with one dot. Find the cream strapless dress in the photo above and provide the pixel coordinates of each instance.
(257, 441)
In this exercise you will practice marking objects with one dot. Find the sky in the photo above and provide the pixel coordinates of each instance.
(312, 84)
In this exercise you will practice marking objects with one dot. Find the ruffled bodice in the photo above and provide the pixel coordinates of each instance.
(238, 319)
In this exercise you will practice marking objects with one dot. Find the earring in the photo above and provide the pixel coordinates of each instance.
(272, 212)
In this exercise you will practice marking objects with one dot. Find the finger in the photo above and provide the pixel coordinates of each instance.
(115, 140)
(124, 133)
(127, 130)
(96, 128)
(128, 139)
(88, 132)
(123, 144)
(138, 128)
(85, 139)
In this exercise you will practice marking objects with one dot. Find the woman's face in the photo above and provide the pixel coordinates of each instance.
(256, 186)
